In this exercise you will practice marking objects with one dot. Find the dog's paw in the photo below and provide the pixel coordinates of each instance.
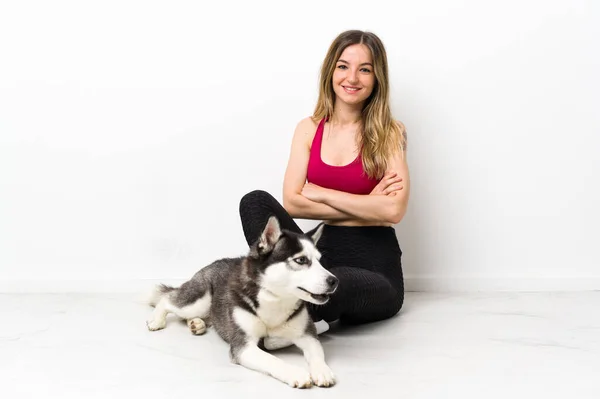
(322, 375)
(296, 377)
(154, 325)
(197, 326)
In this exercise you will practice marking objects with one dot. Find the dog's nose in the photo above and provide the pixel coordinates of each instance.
(332, 282)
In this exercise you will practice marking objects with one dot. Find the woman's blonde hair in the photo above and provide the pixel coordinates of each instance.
(379, 134)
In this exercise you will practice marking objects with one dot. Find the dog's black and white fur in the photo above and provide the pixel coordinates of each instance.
(261, 296)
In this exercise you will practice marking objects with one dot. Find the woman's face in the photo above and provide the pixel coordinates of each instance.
(353, 78)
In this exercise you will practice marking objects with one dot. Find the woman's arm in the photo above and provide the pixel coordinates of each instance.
(389, 208)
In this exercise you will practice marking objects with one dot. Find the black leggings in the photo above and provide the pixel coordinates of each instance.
(365, 259)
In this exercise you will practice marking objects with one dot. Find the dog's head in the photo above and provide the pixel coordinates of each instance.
(290, 266)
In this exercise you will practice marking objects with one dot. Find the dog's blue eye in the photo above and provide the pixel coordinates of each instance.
(301, 260)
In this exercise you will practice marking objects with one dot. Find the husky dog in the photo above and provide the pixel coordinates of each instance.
(259, 299)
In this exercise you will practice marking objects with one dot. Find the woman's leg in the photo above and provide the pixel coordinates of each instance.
(368, 263)
(363, 296)
(255, 209)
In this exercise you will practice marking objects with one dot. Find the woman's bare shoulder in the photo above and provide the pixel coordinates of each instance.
(308, 123)
(401, 126)
(306, 129)
(402, 132)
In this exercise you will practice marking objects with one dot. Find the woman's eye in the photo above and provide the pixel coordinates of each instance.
(366, 70)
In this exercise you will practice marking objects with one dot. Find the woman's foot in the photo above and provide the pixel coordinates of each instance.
(321, 326)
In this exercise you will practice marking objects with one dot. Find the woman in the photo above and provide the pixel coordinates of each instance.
(347, 167)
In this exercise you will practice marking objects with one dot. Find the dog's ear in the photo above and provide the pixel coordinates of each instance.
(316, 233)
(269, 236)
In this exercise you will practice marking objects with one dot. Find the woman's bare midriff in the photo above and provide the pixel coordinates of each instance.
(355, 222)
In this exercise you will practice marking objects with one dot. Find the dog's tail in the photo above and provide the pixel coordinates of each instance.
(157, 293)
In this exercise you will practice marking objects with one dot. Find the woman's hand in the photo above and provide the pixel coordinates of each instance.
(389, 184)
(313, 192)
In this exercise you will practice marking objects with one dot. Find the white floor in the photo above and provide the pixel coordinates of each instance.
(501, 345)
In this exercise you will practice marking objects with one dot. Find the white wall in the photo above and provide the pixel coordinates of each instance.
(129, 130)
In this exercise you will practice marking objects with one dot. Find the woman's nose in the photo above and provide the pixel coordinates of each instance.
(352, 76)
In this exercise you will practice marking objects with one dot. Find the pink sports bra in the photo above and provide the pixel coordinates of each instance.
(349, 178)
